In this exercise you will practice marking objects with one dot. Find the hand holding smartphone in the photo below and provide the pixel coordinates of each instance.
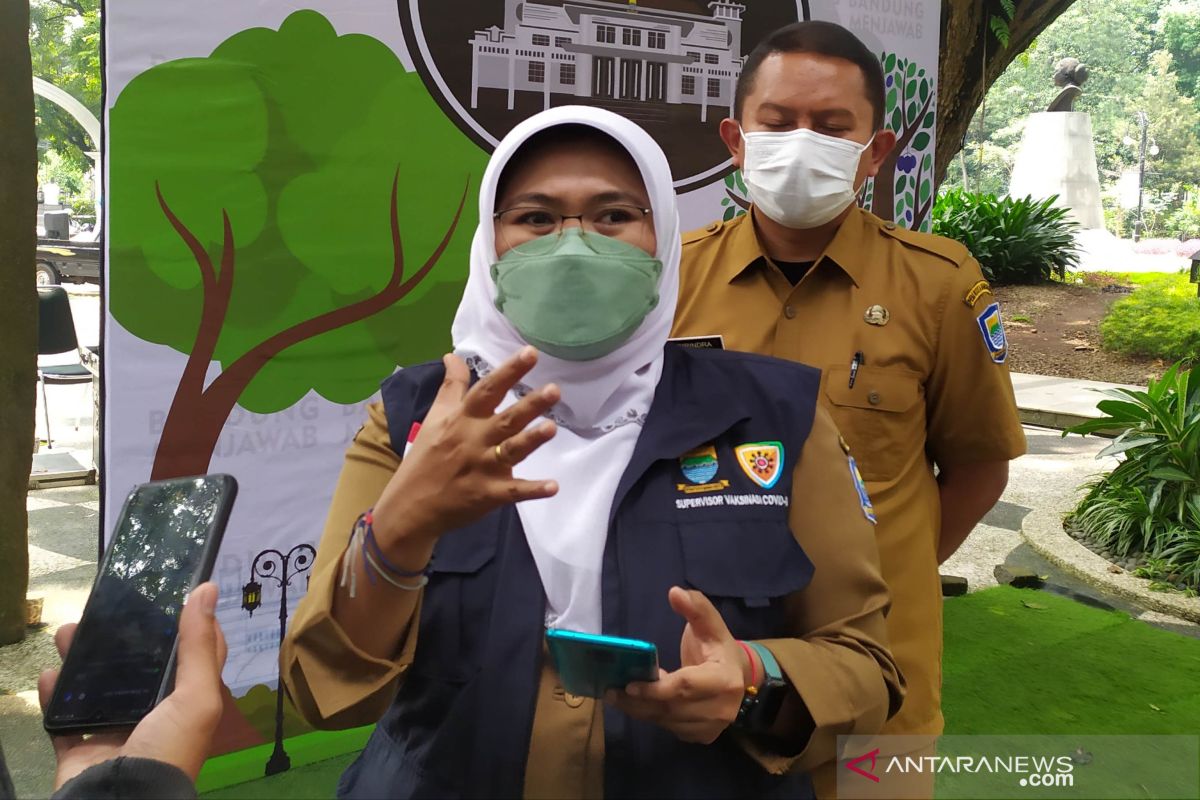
(122, 656)
(591, 664)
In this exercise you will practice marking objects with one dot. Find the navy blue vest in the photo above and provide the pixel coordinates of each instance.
(461, 722)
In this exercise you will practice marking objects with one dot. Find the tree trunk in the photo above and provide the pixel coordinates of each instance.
(18, 310)
(972, 59)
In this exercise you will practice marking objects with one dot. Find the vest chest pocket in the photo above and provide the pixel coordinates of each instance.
(456, 608)
(746, 568)
(882, 417)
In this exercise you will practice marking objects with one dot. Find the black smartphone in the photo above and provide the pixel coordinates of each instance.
(122, 658)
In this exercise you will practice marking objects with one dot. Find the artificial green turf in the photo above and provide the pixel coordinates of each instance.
(1063, 667)
(1016, 661)
(310, 782)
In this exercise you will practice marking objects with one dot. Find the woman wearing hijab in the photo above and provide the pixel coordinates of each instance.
(583, 485)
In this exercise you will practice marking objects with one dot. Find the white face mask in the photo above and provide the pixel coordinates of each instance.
(801, 178)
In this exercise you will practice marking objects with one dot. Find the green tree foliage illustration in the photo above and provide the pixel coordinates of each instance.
(735, 202)
(294, 207)
(903, 189)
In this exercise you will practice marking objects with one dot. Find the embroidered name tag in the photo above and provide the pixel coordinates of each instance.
(712, 342)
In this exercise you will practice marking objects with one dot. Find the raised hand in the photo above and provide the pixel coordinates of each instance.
(698, 701)
(460, 465)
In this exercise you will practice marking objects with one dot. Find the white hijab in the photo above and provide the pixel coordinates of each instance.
(604, 401)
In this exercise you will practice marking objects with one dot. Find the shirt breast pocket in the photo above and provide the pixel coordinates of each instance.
(456, 607)
(882, 417)
(746, 567)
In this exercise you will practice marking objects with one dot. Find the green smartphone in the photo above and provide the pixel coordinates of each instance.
(590, 664)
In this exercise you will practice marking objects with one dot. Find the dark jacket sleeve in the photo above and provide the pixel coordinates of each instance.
(6, 787)
(128, 779)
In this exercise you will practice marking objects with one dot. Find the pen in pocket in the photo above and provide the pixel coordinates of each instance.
(855, 363)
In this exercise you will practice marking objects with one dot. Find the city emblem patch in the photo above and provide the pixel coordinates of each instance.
(992, 329)
(699, 467)
(761, 461)
(864, 499)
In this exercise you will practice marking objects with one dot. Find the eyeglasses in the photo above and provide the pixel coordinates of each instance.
(532, 230)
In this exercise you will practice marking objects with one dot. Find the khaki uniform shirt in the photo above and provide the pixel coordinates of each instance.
(839, 662)
(929, 390)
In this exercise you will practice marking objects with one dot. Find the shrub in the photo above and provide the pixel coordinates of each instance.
(1150, 503)
(1160, 319)
(1016, 241)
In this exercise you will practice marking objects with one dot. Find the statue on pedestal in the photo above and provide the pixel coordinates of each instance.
(1069, 76)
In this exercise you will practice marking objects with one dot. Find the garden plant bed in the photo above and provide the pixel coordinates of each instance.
(1135, 563)
(1054, 329)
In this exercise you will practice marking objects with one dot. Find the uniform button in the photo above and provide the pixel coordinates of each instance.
(873, 398)
(789, 312)
(891, 226)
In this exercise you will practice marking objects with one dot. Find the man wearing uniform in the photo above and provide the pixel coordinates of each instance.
(903, 326)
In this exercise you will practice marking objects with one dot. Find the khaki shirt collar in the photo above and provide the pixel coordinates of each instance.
(843, 251)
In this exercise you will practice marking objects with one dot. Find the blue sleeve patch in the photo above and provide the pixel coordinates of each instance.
(864, 499)
(992, 328)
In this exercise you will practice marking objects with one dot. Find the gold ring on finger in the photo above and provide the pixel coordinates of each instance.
(500, 455)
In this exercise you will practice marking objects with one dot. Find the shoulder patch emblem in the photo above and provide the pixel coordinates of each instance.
(761, 461)
(992, 328)
(977, 291)
(864, 499)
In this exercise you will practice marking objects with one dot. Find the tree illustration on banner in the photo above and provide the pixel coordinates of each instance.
(279, 207)
(735, 202)
(903, 189)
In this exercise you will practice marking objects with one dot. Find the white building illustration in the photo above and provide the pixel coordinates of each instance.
(608, 52)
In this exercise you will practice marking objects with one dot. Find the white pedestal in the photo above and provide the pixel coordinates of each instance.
(1057, 157)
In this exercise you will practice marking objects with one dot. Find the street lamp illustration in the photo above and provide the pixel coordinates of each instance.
(281, 568)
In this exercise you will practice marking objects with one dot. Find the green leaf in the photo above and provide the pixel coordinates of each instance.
(910, 90)
(889, 63)
(911, 113)
(999, 29)
(900, 181)
(926, 188)
(1121, 447)
(924, 90)
(920, 141)
(897, 123)
(1171, 474)
(911, 69)
(928, 121)
(891, 99)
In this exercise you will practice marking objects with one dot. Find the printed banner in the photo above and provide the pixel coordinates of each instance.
(291, 199)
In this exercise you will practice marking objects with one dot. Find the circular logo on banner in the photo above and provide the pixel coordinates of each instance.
(669, 65)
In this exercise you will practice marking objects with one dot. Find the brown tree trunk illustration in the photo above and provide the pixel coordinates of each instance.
(198, 414)
(883, 200)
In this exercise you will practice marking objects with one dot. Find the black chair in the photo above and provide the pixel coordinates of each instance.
(56, 334)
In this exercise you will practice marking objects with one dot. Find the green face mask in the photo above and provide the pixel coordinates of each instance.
(578, 296)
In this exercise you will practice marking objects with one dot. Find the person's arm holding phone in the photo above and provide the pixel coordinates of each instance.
(838, 674)
(162, 755)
